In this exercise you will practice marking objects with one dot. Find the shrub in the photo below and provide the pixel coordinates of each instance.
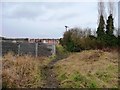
(77, 39)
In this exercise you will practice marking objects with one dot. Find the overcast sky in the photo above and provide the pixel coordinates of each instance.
(46, 19)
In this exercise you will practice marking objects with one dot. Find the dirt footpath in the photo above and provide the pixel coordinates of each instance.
(49, 76)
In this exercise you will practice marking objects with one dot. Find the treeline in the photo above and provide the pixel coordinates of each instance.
(77, 39)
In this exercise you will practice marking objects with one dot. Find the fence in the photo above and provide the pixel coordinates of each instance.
(35, 49)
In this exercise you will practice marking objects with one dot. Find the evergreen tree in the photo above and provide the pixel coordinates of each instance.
(110, 25)
(101, 26)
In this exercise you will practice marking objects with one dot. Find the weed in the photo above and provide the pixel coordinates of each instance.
(92, 85)
(62, 77)
(77, 77)
(52, 57)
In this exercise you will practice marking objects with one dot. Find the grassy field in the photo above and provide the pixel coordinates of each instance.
(88, 69)
(22, 71)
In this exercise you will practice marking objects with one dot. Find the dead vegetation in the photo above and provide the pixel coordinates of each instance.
(22, 71)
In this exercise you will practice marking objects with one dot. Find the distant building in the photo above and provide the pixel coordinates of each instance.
(14, 40)
(17, 40)
(31, 40)
(48, 41)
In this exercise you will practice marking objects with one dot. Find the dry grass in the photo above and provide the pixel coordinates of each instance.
(22, 71)
(91, 68)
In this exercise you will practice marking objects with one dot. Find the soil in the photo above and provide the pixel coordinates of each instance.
(50, 80)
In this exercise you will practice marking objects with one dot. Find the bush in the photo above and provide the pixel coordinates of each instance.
(88, 43)
(68, 43)
(107, 41)
(76, 39)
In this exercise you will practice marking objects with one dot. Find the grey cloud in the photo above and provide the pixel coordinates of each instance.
(69, 16)
(25, 13)
(61, 17)
(24, 10)
(50, 18)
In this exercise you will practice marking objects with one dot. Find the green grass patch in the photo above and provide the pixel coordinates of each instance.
(76, 80)
(52, 57)
(92, 84)
(98, 72)
(105, 76)
(62, 77)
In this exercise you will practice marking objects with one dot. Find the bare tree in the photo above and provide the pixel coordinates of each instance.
(101, 10)
(101, 7)
(111, 7)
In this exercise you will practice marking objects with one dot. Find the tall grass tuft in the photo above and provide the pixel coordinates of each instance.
(21, 71)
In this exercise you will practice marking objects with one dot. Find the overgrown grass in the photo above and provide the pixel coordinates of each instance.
(61, 52)
(22, 71)
(88, 69)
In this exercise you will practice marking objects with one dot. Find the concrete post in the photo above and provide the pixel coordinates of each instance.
(18, 49)
(54, 49)
(36, 49)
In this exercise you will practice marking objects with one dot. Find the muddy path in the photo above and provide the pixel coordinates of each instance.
(49, 76)
(48, 72)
